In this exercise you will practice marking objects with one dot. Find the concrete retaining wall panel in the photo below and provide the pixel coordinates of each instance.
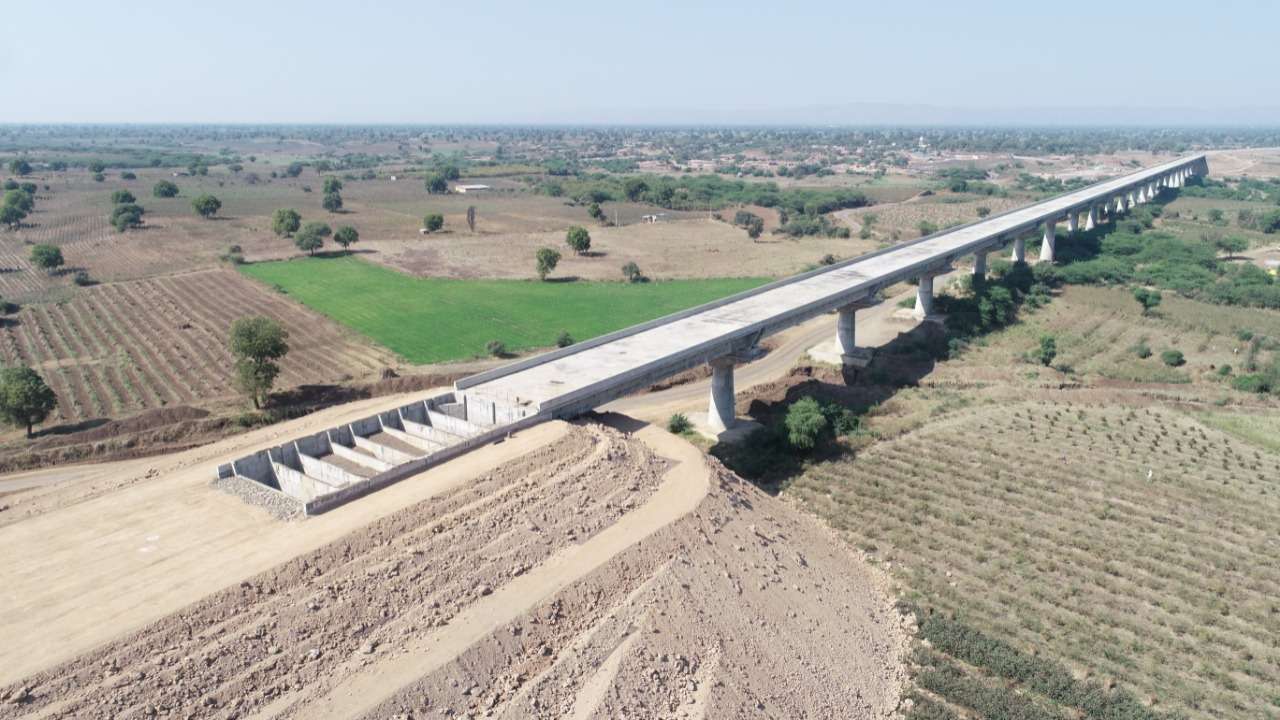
(382, 452)
(361, 459)
(437, 437)
(345, 495)
(452, 424)
(300, 485)
(411, 440)
(328, 472)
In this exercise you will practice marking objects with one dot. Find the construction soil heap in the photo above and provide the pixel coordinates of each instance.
(587, 572)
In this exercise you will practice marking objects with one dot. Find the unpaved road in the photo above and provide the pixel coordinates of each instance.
(598, 574)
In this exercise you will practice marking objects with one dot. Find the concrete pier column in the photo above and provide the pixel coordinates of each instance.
(720, 411)
(1091, 219)
(924, 298)
(1019, 250)
(845, 330)
(1073, 221)
(980, 265)
(1049, 241)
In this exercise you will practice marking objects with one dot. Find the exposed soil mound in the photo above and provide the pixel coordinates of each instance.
(599, 576)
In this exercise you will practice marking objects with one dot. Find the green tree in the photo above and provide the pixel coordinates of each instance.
(164, 189)
(206, 206)
(294, 169)
(346, 236)
(121, 197)
(1047, 351)
(332, 185)
(451, 172)
(564, 339)
(19, 199)
(578, 239)
(331, 202)
(19, 167)
(983, 211)
(635, 188)
(436, 184)
(257, 343)
(631, 272)
(285, 222)
(11, 215)
(97, 167)
(311, 237)
(47, 257)
(1172, 358)
(1148, 299)
(25, 399)
(125, 216)
(594, 212)
(1231, 245)
(127, 175)
(805, 423)
(545, 261)
(433, 222)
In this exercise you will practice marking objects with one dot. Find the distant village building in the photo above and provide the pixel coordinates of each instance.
(469, 188)
(651, 218)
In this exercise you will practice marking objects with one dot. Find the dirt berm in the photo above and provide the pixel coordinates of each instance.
(605, 574)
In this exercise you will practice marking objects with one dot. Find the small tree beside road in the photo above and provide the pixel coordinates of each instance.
(257, 343)
(25, 399)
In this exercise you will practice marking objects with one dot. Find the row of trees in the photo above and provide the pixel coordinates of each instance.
(287, 222)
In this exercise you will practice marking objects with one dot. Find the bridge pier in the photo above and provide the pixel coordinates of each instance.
(980, 265)
(720, 410)
(924, 296)
(1019, 250)
(1091, 219)
(1073, 222)
(1049, 241)
(852, 356)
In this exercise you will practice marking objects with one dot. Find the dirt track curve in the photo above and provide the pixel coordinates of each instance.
(604, 573)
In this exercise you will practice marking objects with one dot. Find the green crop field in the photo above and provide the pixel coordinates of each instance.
(429, 320)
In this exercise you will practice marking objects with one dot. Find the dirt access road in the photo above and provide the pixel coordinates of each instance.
(603, 571)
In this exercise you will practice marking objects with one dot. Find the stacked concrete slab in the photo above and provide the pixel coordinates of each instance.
(339, 464)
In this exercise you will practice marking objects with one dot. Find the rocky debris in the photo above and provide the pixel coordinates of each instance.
(281, 506)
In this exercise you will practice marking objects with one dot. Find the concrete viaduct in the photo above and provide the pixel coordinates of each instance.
(569, 381)
(332, 467)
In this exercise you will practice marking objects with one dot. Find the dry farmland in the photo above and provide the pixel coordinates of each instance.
(119, 348)
(1133, 544)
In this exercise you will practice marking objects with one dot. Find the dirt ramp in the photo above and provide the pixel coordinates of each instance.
(603, 575)
(738, 608)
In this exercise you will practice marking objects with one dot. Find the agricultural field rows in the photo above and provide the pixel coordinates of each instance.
(119, 348)
(1133, 544)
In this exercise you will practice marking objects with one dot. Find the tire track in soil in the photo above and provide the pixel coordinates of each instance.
(218, 654)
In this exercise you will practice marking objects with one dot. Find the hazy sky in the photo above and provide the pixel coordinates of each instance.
(493, 61)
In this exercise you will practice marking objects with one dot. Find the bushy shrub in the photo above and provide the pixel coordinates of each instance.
(1172, 358)
(496, 348)
(678, 424)
(805, 423)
